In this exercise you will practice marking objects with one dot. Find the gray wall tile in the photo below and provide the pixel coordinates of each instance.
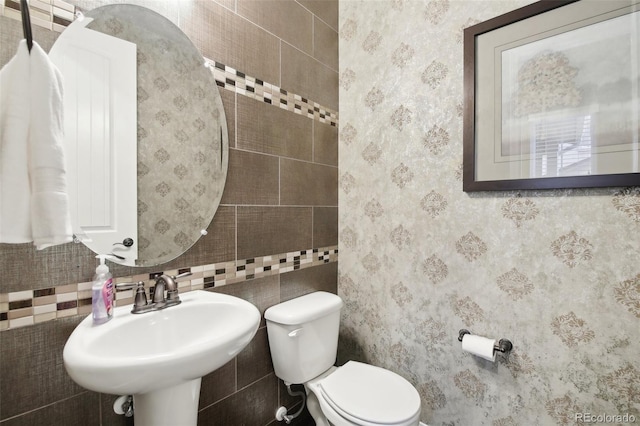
(325, 44)
(308, 77)
(30, 382)
(79, 410)
(262, 292)
(253, 405)
(327, 10)
(245, 46)
(218, 384)
(24, 267)
(303, 183)
(286, 19)
(252, 179)
(325, 144)
(272, 230)
(325, 226)
(263, 128)
(304, 281)
(254, 362)
(229, 103)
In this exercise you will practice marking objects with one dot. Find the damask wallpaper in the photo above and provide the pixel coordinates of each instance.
(556, 272)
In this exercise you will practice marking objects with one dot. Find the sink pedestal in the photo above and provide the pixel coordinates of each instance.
(175, 405)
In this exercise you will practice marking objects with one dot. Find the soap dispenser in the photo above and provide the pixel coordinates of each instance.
(102, 293)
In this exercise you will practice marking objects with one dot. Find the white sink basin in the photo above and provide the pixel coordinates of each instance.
(144, 354)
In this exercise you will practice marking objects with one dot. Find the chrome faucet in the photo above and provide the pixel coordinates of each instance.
(163, 282)
(168, 283)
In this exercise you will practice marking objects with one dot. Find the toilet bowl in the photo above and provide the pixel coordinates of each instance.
(365, 395)
(303, 337)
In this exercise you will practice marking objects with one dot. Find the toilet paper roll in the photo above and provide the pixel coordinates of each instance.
(479, 346)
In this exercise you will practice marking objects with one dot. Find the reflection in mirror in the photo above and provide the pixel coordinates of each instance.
(180, 160)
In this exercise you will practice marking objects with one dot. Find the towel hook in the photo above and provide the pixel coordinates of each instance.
(26, 23)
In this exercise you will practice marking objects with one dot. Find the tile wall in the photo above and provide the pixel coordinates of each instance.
(280, 202)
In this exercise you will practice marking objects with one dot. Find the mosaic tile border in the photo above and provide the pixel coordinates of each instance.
(56, 15)
(29, 307)
(238, 82)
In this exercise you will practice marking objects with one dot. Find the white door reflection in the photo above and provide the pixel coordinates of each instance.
(100, 127)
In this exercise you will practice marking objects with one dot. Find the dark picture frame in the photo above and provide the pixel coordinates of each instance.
(476, 146)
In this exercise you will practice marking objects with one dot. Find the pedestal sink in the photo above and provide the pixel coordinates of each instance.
(160, 357)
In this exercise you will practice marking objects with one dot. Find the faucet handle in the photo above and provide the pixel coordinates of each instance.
(172, 290)
(140, 299)
(127, 286)
(182, 275)
(140, 303)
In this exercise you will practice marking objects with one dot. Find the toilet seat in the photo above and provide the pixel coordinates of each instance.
(366, 395)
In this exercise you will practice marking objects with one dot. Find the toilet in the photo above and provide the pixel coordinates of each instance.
(303, 338)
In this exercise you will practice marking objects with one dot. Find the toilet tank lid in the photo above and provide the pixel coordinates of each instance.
(304, 308)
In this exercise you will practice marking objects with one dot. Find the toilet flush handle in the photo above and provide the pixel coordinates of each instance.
(296, 332)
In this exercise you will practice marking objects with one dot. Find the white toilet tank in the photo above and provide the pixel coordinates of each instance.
(303, 335)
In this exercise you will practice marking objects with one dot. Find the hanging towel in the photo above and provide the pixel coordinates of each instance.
(50, 219)
(15, 193)
(33, 191)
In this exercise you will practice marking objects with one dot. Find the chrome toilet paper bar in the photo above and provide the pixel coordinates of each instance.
(504, 345)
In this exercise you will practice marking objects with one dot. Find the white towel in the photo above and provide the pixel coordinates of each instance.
(33, 190)
(15, 193)
(50, 219)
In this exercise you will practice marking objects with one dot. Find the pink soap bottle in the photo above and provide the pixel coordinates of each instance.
(102, 293)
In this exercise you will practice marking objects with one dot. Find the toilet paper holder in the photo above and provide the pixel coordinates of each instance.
(503, 346)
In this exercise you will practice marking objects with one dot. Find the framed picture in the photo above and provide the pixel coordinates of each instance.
(552, 97)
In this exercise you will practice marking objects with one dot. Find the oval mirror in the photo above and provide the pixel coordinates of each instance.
(145, 135)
